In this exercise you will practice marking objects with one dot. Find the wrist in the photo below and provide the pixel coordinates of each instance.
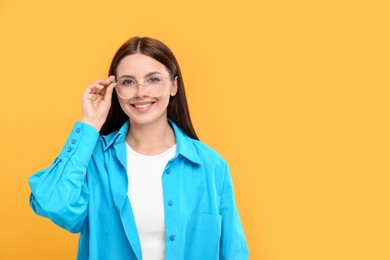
(94, 123)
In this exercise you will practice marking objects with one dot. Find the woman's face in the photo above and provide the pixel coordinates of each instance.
(144, 87)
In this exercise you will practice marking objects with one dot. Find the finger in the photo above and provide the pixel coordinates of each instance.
(107, 81)
(94, 89)
(109, 90)
(98, 87)
(112, 78)
(101, 84)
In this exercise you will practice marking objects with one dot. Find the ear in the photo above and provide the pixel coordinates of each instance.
(174, 87)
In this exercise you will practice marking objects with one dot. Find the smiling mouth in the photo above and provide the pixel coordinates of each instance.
(142, 106)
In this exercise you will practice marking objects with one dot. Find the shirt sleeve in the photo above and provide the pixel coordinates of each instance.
(60, 192)
(233, 242)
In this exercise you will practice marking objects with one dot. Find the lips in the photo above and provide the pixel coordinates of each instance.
(143, 106)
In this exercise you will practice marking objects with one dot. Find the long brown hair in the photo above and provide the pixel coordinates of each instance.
(177, 109)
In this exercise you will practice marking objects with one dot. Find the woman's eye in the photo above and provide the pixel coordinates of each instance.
(127, 82)
(154, 80)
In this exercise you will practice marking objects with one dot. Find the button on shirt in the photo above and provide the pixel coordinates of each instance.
(146, 197)
(85, 190)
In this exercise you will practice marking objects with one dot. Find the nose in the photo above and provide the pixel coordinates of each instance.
(141, 90)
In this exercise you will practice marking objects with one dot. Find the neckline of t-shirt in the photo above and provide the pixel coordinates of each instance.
(170, 150)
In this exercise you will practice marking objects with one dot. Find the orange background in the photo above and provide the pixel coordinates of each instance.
(294, 95)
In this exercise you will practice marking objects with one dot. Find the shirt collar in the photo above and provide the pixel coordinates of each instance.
(184, 144)
(116, 136)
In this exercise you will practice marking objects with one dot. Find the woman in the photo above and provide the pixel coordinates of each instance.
(133, 177)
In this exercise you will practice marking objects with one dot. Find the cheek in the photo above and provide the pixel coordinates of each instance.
(164, 97)
(163, 102)
(125, 107)
(122, 104)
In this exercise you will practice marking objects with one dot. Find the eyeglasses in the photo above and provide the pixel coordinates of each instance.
(127, 86)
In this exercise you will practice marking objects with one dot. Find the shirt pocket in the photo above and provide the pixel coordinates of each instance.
(203, 241)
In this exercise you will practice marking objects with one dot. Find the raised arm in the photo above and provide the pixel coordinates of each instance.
(60, 192)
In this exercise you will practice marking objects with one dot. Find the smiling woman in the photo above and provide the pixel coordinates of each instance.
(145, 102)
(133, 178)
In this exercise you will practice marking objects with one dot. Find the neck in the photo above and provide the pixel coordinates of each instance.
(151, 139)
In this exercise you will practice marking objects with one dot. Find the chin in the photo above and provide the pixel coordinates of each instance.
(147, 119)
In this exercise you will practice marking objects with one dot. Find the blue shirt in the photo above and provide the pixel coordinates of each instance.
(85, 190)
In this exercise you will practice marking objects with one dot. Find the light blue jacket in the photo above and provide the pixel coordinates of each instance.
(85, 190)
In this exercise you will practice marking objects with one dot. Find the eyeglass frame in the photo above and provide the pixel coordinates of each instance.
(137, 84)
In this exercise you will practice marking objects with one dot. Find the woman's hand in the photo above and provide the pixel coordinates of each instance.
(96, 102)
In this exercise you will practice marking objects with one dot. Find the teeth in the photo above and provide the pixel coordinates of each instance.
(142, 106)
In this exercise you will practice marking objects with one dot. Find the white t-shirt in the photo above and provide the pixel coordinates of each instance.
(146, 197)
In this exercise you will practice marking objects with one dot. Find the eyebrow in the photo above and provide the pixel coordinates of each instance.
(147, 75)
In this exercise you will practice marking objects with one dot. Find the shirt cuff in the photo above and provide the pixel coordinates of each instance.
(81, 143)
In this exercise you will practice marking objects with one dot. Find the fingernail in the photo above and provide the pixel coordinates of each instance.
(112, 79)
